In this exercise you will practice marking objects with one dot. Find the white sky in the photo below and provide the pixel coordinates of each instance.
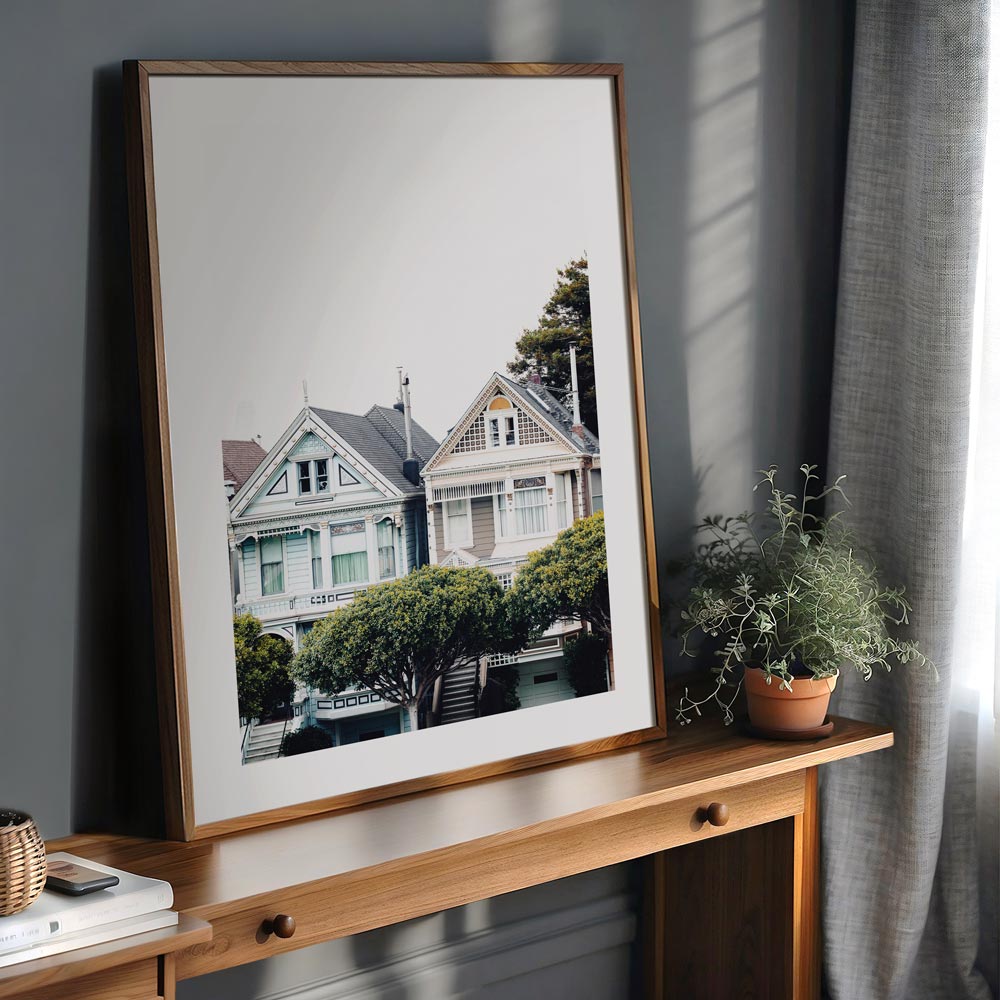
(309, 230)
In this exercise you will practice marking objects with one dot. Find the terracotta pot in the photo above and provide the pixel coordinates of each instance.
(774, 707)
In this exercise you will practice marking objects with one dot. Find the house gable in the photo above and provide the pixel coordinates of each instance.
(528, 421)
(274, 487)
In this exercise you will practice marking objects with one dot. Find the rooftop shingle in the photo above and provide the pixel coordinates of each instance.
(239, 461)
(379, 438)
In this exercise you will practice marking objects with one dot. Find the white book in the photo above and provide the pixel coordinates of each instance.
(95, 935)
(54, 914)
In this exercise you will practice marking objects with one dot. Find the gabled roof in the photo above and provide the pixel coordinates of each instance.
(379, 437)
(535, 400)
(239, 460)
(392, 426)
(534, 394)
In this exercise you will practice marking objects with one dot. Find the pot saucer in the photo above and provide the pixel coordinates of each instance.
(818, 733)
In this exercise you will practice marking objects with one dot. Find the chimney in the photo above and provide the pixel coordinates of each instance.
(577, 423)
(411, 467)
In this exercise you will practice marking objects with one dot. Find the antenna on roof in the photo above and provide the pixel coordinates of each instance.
(305, 392)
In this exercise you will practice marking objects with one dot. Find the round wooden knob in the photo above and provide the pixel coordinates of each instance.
(282, 926)
(717, 813)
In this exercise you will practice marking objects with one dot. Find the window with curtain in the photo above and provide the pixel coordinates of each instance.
(596, 491)
(457, 529)
(349, 549)
(563, 494)
(385, 535)
(317, 559)
(530, 506)
(502, 519)
(272, 566)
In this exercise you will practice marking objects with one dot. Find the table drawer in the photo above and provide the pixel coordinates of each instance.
(361, 900)
(138, 981)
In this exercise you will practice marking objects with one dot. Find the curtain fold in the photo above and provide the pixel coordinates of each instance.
(899, 847)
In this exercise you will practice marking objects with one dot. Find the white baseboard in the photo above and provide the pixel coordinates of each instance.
(476, 961)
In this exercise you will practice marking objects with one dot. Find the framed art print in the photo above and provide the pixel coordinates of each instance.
(392, 397)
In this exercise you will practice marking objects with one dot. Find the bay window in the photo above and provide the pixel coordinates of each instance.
(385, 532)
(349, 549)
(596, 491)
(530, 510)
(272, 566)
(317, 559)
(564, 493)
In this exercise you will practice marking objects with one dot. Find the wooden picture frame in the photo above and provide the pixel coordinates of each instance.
(173, 676)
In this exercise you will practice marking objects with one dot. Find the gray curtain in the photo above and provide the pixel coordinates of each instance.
(899, 862)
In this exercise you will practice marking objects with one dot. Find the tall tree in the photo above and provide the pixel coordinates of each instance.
(263, 676)
(398, 638)
(567, 580)
(544, 351)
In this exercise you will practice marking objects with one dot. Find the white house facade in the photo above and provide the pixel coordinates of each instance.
(518, 468)
(334, 507)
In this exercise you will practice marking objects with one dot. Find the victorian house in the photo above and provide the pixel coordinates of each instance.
(516, 469)
(335, 506)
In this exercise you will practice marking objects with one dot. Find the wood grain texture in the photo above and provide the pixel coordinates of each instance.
(171, 669)
(178, 67)
(126, 982)
(413, 887)
(728, 918)
(171, 688)
(377, 864)
(738, 917)
(167, 977)
(807, 945)
(49, 976)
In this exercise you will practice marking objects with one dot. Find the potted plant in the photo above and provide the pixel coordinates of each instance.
(793, 600)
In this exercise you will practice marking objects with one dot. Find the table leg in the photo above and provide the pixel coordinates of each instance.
(737, 916)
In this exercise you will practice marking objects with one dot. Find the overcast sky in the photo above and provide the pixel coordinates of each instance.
(332, 229)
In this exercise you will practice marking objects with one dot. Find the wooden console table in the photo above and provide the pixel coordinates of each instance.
(728, 826)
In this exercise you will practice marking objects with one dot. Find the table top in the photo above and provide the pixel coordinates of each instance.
(19, 980)
(210, 876)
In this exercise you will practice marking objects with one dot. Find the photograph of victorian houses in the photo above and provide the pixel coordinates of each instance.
(385, 581)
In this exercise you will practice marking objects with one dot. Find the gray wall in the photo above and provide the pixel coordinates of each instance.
(736, 120)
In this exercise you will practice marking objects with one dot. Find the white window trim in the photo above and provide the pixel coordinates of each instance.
(284, 568)
(501, 415)
(512, 515)
(468, 541)
(395, 546)
(314, 490)
(307, 462)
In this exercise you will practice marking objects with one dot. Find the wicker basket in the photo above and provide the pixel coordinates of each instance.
(22, 862)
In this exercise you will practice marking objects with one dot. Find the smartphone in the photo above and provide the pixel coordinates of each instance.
(75, 880)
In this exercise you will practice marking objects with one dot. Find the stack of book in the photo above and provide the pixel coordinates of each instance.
(56, 923)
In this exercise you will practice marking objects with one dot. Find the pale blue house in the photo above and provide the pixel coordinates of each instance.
(335, 506)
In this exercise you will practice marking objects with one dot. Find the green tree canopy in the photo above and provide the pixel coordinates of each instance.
(586, 659)
(305, 740)
(544, 351)
(398, 638)
(565, 580)
(263, 676)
